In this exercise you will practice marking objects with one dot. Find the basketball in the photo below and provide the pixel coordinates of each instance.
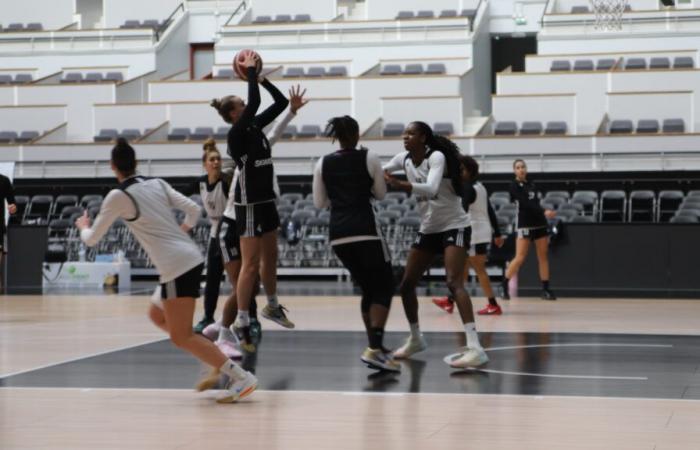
(237, 63)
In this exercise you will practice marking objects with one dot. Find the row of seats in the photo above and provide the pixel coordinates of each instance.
(413, 69)
(660, 62)
(315, 72)
(20, 78)
(429, 14)
(45, 207)
(198, 134)
(111, 134)
(282, 18)
(149, 23)
(584, 9)
(13, 27)
(7, 137)
(395, 129)
(92, 77)
(529, 128)
(647, 126)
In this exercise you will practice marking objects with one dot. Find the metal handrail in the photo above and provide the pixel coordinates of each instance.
(236, 11)
(168, 20)
(544, 12)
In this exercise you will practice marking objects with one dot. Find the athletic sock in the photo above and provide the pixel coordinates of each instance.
(376, 338)
(243, 318)
(545, 284)
(492, 301)
(225, 334)
(415, 330)
(272, 301)
(233, 370)
(472, 336)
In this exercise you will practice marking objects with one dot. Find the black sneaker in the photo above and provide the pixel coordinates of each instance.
(202, 324)
(548, 295)
(243, 334)
(255, 331)
(504, 287)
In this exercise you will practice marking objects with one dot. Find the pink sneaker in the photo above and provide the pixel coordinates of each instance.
(229, 349)
(211, 331)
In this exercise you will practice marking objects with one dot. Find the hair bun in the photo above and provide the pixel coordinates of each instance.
(122, 142)
(216, 103)
(210, 145)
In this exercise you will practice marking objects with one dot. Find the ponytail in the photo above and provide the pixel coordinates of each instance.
(449, 149)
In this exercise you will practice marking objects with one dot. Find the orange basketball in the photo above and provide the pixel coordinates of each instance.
(238, 67)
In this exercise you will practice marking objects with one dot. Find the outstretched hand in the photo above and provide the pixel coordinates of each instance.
(296, 99)
(250, 60)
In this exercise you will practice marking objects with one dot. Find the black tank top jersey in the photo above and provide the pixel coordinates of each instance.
(349, 188)
(530, 212)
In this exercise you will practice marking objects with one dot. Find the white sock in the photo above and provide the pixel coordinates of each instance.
(272, 301)
(225, 334)
(243, 318)
(233, 370)
(415, 330)
(472, 336)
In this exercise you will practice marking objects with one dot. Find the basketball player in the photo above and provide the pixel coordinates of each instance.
(532, 227)
(254, 196)
(484, 229)
(7, 194)
(146, 207)
(346, 181)
(432, 168)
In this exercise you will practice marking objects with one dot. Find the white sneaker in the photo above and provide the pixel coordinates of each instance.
(411, 347)
(472, 357)
(238, 390)
(377, 359)
(211, 331)
(229, 349)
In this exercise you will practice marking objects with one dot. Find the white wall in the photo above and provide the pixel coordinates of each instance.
(657, 105)
(32, 118)
(118, 11)
(320, 10)
(139, 116)
(90, 13)
(53, 14)
(425, 109)
(602, 43)
(7, 95)
(173, 50)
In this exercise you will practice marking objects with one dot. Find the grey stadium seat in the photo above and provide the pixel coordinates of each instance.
(682, 218)
(673, 126)
(443, 129)
(281, 18)
(131, 24)
(151, 23)
(448, 13)
(425, 14)
(130, 134)
(390, 69)
(583, 64)
(635, 64)
(531, 127)
(179, 134)
(202, 133)
(93, 77)
(224, 74)
(221, 133)
(27, 136)
(559, 65)
(262, 19)
(505, 128)
(22, 78)
(289, 132)
(302, 18)
(435, 69)
(393, 129)
(72, 77)
(605, 64)
(337, 71)
(555, 128)
(293, 72)
(292, 196)
(405, 15)
(468, 13)
(668, 203)
(580, 9)
(562, 194)
(413, 69)
(647, 126)
(316, 72)
(309, 131)
(659, 63)
(642, 206)
(621, 127)
(582, 219)
(34, 26)
(683, 62)
(613, 206)
(5, 79)
(106, 135)
(15, 27)
(114, 76)
(7, 136)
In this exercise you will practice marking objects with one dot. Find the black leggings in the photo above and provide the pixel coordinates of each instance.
(370, 267)
(215, 269)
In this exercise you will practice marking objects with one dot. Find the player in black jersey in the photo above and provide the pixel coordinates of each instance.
(256, 214)
(531, 224)
(347, 181)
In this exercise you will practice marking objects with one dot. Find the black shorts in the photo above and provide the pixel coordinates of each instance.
(479, 249)
(533, 234)
(229, 243)
(369, 263)
(3, 246)
(256, 220)
(438, 242)
(186, 285)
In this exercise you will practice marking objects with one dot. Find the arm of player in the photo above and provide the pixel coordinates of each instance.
(116, 204)
(374, 168)
(321, 199)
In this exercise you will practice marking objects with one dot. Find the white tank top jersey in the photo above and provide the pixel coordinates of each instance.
(437, 202)
(146, 206)
(479, 214)
(214, 203)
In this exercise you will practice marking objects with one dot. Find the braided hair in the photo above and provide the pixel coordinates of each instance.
(446, 147)
(345, 129)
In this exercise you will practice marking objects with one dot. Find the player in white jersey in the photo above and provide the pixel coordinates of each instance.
(146, 207)
(432, 168)
(230, 248)
(484, 230)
